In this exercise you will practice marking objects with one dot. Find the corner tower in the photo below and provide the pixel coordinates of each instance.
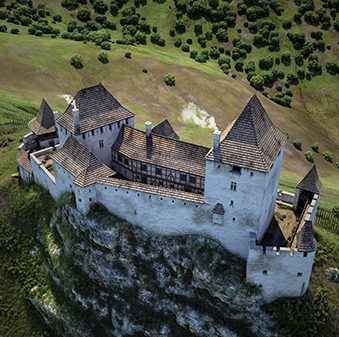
(243, 169)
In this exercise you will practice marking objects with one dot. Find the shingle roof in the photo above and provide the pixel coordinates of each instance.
(22, 158)
(161, 151)
(44, 121)
(165, 129)
(97, 107)
(305, 238)
(219, 209)
(252, 141)
(311, 181)
(80, 162)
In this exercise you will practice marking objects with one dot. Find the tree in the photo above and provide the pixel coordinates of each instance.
(100, 7)
(297, 143)
(286, 58)
(76, 61)
(84, 14)
(103, 57)
(309, 156)
(70, 4)
(257, 82)
(328, 156)
(266, 63)
(315, 147)
(106, 45)
(169, 79)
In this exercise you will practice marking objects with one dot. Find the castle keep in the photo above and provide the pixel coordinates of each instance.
(151, 178)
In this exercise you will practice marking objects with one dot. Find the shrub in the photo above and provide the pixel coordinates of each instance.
(76, 61)
(193, 54)
(332, 68)
(185, 48)
(239, 65)
(309, 156)
(328, 156)
(315, 147)
(257, 82)
(128, 55)
(145, 70)
(84, 14)
(103, 57)
(198, 30)
(14, 31)
(57, 18)
(266, 63)
(105, 45)
(180, 26)
(297, 143)
(3, 28)
(70, 4)
(317, 35)
(189, 41)
(157, 39)
(292, 79)
(287, 25)
(65, 35)
(286, 58)
(169, 79)
(337, 165)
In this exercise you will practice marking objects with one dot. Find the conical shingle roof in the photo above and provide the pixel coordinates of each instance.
(311, 181)
(44, 121)
(305, 238)
(252, 141)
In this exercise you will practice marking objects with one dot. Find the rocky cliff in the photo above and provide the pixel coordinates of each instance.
(109, 278)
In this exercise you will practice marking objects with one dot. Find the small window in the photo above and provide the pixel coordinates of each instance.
(161, 183)
(251, 174)
(118, 124)
(305, 254)
(158, 171)
(236, 169)
(126, 161)
(193, 180)
(233, 219)
(232, 203)
(143, 167)
(101, 129)
(119, 158)
(127, 121)
(101, 144)
(264, 272)
(110, 127)
(92, 132)
(83, 136)
(233, 186)
(79, 199)
(89, 199)
(171, 185)
(183, 177)
(300, 274)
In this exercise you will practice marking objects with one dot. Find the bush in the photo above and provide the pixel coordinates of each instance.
(128, 55)
(65, 35)
(105, 45)
(76, 61)
(103, 57)
(309, 156)
(292, 79)
(3, 28)
(297, 143)
(328, 156)
(332, 68)
(315, 147)
(266, 63)
(239, 65)
(157, 39)
(57, 18)
(145, 70)
(169, 79)
(286, 58)
(185, 48)
(193, 54)
(70, 4)
(84, 14)
(257, 82)
(14, 31)
(287, 25)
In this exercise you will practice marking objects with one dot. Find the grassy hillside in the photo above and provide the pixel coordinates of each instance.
(33, 67)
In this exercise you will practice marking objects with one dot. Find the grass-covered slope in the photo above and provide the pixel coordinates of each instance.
(33, 67)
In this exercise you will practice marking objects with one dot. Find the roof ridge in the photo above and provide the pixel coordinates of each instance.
(177, 140)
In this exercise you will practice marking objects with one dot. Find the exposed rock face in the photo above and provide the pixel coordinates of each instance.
(110, 278)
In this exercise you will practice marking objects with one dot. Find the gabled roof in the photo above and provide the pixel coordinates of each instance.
(79, 161)
(252, 141)
(165, 129)
(162, 151)
(44, 121)
(305, 238)
(311, 181)
(97, 107)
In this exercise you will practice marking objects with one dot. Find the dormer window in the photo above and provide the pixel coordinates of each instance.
(233, 186)
(236, 169)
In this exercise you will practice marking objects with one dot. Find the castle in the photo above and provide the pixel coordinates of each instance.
(151, 178)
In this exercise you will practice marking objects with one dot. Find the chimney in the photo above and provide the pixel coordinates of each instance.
(76, 119)
(148, 126)
(216, 140)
